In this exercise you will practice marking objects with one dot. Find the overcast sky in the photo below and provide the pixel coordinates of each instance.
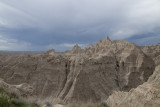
(37, 25)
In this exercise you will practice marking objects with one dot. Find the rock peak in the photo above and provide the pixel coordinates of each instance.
(50, 52)
(107, 39)
(76, 46)
(90, 45)
(76, 49)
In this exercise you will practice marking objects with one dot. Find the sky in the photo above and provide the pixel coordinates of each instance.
(39, 25)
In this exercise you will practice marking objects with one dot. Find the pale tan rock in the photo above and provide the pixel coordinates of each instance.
(145, 95)
(23, 90)
(47, 104)
(59, 105)
(50, 52)
(152, 50)
(88, 79)
(76, 49)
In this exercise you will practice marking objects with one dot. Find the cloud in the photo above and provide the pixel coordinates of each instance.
(11, 17)
(142, 17)
(42, 24)
(71, 45)
(13, 44)
(16, 45)
(63, 46)
(4, 47)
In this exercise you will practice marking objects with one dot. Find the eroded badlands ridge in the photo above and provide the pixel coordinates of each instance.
(89, 74)
(145, 95)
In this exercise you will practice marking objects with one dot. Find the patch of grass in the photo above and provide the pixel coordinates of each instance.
(11, 100)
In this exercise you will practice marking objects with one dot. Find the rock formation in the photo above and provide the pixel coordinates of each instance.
(152, 50)
(89, 74)
(23, 90)
(145, 95)
(50, 52)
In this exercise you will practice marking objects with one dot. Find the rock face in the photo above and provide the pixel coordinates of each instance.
(152, 50)
(83, 75)
(23, 90)
(145, 95)
(76, 50)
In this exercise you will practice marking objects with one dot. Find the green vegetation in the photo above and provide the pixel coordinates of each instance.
(11, 100)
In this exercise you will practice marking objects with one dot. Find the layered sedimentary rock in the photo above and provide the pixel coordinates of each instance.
(89, 74)
(152, 50)
(145, 95)
(132, 65)
(23, 90)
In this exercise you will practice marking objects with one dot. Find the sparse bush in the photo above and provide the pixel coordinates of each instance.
(11, 100)
(4, 101)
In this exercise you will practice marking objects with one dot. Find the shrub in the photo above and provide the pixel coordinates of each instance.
(11, 100)
(4, 101)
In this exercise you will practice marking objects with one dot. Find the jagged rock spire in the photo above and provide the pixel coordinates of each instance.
(50, 52)
(107, 39)
(90, 46)
(76, 49)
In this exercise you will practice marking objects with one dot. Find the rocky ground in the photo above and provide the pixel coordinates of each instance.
(119, 73)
